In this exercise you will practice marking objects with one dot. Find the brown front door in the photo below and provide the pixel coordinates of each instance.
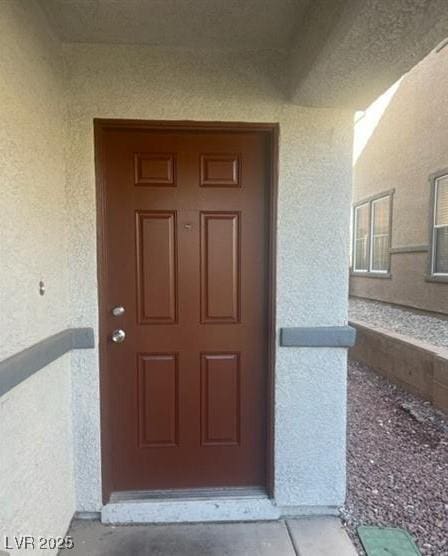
(185, 253)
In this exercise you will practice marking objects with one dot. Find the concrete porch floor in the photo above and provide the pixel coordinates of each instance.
(317, 536)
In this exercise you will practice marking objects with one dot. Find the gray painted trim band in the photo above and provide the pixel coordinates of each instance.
(319, 336)
(409, 249)
(22, 365)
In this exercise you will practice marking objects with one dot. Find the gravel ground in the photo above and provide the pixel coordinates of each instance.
(397, 462)
(427, 327)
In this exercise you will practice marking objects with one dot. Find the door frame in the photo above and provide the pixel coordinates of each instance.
(272, 131)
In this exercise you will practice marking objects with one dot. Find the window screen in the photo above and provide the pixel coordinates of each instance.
(380, 235)
(440, 239)
(361, 247)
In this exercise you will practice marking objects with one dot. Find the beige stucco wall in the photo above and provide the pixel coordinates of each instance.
(409, 144)
(36, 455)
(407, 285)
(313, 235)
(32, 171)
(48, 104)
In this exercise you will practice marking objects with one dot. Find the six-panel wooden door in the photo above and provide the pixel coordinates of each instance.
(186, 255)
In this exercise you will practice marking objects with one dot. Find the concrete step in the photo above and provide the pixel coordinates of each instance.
(202, 539)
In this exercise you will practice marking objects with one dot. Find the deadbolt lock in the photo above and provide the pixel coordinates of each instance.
(118, 336)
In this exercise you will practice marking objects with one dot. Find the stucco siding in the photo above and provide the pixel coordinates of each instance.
(36, 455)
(406, 287)
(409, 144)
(32, 172)
(140, 82)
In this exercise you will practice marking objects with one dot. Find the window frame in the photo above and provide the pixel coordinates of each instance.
(370, 201)
(432, 275)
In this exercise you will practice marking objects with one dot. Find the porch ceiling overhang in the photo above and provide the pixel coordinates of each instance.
(219, 24)
(350, 51)
(337, 53)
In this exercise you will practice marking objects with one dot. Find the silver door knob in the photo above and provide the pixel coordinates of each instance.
(118, 336)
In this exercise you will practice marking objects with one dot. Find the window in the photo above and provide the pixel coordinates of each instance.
(371, 241)
(361, 253)
(379, 253)
(440, 227)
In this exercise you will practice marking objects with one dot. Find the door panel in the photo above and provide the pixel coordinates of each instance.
(219, 170)
(220, 267)
(186, 254)
(156, 267)
(158, 400)
(220, 399)
(155, 169)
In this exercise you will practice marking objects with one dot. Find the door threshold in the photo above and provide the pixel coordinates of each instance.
(190, 506)
(188, 494)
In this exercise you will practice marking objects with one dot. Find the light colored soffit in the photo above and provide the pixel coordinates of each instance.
(361, 47)
(214, 24)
